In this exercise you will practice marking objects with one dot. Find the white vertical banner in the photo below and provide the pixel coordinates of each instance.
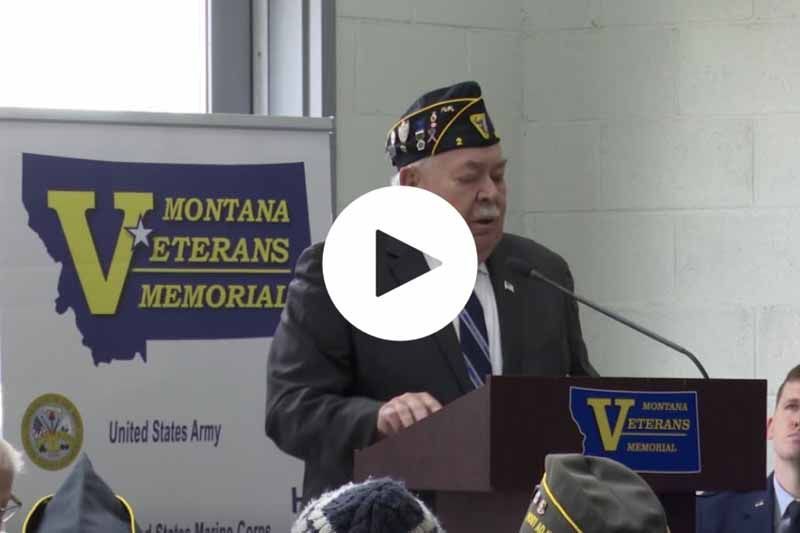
(143, 270)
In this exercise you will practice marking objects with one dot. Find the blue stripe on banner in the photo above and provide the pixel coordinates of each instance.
(476, 333)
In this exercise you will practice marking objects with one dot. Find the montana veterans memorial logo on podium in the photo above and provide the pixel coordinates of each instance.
(167, 251)
(651, 432)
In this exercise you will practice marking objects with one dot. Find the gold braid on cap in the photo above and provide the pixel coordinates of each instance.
(555, 502)
(130, 512)
(35, 506)
(452, 120)
(49, 497)
(470, 101)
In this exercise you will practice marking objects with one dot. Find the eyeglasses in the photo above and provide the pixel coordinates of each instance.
(10, 509)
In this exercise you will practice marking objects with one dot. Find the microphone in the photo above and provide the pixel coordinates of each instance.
(521, 267)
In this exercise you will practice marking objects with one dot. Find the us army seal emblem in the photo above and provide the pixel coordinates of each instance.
(52, 432)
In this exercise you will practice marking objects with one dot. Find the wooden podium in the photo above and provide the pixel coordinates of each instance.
(483, 454)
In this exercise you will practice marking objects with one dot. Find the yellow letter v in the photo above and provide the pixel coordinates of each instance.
(598, 405)
(102, 292)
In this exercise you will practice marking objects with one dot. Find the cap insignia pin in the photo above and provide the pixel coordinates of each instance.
(420, 136)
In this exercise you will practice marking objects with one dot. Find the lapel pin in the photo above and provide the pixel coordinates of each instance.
(420, 136)
(508, 286)
(759, 503)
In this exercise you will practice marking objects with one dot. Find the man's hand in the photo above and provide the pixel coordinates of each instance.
(402, 411)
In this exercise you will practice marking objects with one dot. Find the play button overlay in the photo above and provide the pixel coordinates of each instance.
(382, 282)
(370, 256)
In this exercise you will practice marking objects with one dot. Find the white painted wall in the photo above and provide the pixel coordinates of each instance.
(660, 140)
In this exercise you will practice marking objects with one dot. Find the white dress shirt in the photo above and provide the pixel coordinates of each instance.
(782, 501)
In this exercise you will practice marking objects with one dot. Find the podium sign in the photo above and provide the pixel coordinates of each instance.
(483, 454)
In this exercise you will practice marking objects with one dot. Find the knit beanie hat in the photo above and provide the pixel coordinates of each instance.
(374, 506)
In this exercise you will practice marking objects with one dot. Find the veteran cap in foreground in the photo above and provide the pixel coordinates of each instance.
(83, 503)
(584, 494)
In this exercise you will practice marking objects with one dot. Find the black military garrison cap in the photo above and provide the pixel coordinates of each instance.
(441, 120)
(584, 494)
(84, 503)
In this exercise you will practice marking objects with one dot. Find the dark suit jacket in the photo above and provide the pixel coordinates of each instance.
(326, 380)
(737, 512)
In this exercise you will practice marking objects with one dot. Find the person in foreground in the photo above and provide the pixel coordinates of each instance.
(10, 466)
(331, 389)
(374, 506)
(580, 493)
(776, 508)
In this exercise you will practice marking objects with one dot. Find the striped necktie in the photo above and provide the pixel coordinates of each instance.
(474, 343)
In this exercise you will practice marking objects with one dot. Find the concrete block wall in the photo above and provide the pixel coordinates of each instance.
(661, 158)
(660, 143)
(653, 143)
